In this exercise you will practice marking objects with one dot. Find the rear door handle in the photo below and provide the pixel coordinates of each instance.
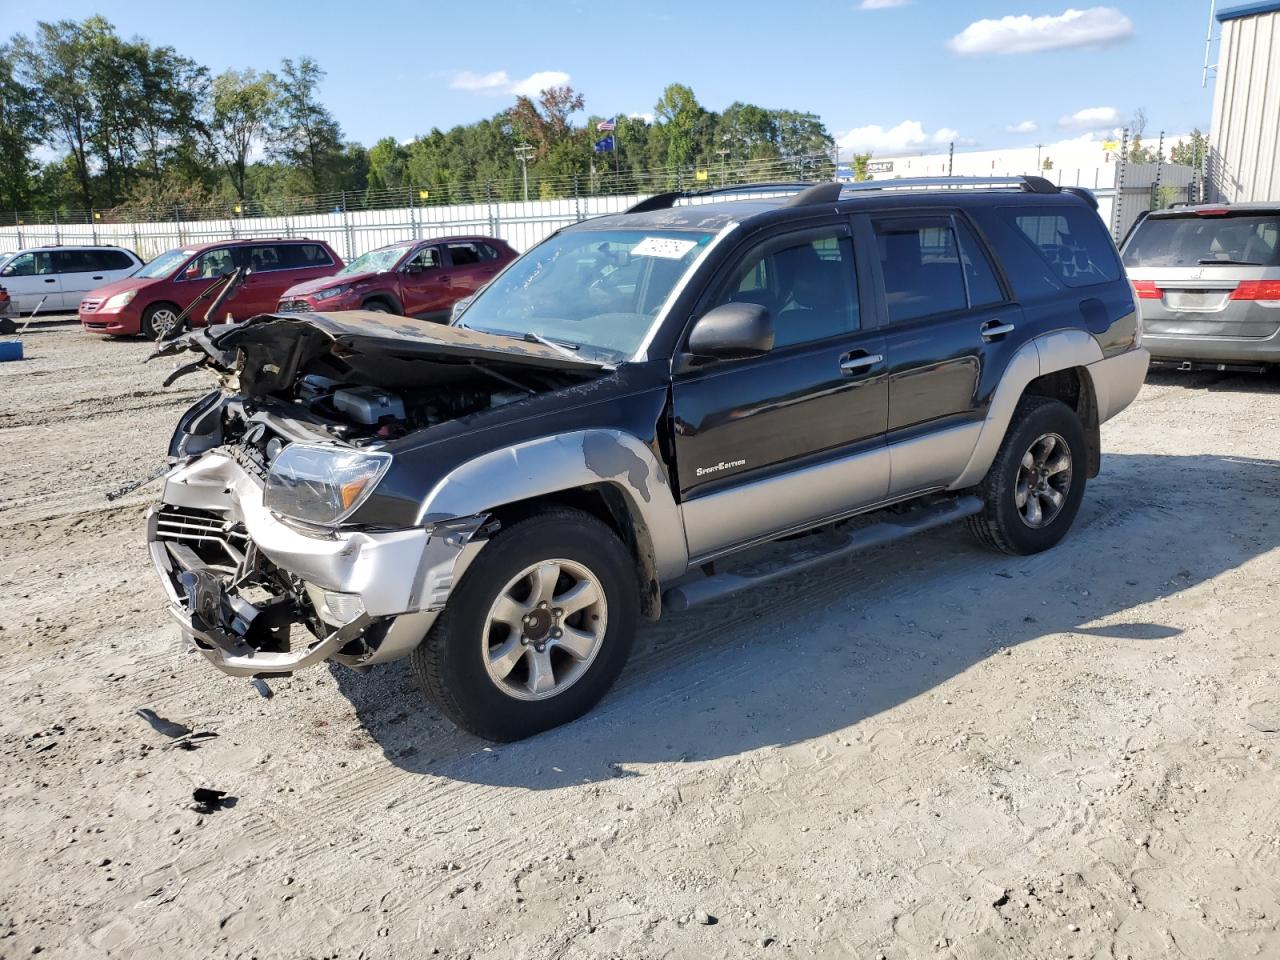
(52, 280)
(996, 328)
(851, 364)
(97, 278)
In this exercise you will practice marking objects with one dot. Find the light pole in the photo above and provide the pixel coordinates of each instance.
(524, 153)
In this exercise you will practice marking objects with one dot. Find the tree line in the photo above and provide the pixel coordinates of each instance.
(91, 120)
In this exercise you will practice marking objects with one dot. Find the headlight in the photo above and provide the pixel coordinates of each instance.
(332, 292)
(119, 301)
(322, 485)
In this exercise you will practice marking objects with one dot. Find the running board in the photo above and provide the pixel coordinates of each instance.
(895, 527)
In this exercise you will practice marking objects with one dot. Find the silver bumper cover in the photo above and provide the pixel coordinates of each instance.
(402, 578)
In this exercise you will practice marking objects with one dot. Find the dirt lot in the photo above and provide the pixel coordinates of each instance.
(928, 752)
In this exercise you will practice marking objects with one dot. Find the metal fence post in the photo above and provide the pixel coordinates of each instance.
(93, 225)
(346, 225)
(577, 200)
(17, 226)
(413, 214)
(491, 209)
(57, 230)
(1117, 203)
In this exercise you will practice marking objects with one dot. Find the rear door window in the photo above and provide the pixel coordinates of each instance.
(920, 263)
(302, 256)
(464, 254)
(1194, 240)
(266, 257)
(984, 288)
(1071, 240)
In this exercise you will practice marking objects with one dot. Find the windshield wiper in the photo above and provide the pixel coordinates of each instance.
(1228, 262)
(568, 349)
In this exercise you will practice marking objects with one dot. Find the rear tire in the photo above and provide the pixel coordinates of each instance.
(562, 651)
(1032, 492)
(158, 318)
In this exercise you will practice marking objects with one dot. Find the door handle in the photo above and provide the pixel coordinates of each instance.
(443, 278)
(996, 328)
(849, 364)
(51, 280)
(97, 278)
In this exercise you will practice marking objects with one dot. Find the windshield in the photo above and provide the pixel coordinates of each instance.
(1193, 240)
(164, 264)
(599, 290)
(375, 261)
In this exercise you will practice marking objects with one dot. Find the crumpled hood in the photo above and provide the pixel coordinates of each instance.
(324, 283)
(267, 352)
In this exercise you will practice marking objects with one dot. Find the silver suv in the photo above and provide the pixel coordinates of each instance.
(1208, 284)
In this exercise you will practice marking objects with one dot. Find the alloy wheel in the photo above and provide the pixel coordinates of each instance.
(544, 629)
(1044, 479)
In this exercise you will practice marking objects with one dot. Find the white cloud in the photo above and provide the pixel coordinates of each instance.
(1095, 27)
(881, 4)
(646, 117)
(1026, 126)
(905, 136)
(1090, 118)
(498, 82)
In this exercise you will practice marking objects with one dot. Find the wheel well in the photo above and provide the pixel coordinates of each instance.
(383, 298)
(1074, 387)
(609, 505)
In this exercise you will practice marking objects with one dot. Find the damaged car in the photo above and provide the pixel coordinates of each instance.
(649, 410)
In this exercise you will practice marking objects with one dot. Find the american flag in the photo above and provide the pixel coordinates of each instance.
(604, 126)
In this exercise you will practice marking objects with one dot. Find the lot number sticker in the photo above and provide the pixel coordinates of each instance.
(664, 247)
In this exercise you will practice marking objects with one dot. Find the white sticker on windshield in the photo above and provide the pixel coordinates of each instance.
(665, 247)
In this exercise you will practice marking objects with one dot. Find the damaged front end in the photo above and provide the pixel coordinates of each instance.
(256, 536)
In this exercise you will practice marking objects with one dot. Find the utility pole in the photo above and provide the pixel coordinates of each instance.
(524, 153)
(1039, 147)
(951, 157)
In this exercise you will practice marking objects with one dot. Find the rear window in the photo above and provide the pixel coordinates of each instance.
(1191, 241)
(302, 256)
(1072, 241)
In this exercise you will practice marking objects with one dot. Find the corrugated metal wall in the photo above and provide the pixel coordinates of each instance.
(1244, 141)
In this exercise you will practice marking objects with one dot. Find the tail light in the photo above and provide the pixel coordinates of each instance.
(1147, 290)
(1257, 290)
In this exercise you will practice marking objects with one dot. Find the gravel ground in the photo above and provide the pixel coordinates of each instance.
(929, 751)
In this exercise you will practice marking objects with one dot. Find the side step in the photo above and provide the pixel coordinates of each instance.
(894, 527)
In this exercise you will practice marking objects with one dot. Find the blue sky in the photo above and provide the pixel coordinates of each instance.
(897, 75)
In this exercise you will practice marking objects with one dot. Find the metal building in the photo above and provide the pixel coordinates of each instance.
(1244, 141)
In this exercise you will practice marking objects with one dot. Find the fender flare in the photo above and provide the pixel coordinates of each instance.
(571, 461)
(1061, 350)
(385, 296)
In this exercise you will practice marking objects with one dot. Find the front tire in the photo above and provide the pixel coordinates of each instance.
(538, 629)
(158, 319)
(1032, 492)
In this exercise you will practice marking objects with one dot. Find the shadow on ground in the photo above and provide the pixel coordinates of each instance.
(816, 654)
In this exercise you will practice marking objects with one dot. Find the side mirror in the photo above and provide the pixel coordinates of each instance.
(413, 268)
(732, 331)
(191, 272)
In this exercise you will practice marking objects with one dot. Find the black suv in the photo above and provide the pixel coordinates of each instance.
(639, 413)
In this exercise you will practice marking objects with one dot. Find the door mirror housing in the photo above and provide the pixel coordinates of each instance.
(732, 331)
(414, 267)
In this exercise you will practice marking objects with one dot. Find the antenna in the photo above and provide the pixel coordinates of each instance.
(1208, 47)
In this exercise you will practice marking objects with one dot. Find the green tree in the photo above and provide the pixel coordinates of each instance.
(21, 125)
(388, 165)
(680, 113)
(242, 108)
(305, 136)
(1192, 151)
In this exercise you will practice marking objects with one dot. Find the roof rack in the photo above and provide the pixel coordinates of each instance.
(1027, 184)
(663, 201)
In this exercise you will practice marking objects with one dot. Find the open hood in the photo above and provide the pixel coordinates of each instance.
(267, 352)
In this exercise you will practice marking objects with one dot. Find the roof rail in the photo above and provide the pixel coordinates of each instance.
(662, 201)
(1028, 184)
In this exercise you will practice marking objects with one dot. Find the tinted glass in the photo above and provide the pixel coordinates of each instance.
(263, 258)
(921, 266)
(984, 288)
(463, 254)
(1072, 241)
(428, 258)
(116, 260)
(809, 288)
(29, 265)
(302, 256)
(1194, 240)
(89, 261)
(488, 252)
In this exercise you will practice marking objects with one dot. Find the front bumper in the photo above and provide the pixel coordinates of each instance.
(115, 324)
(249, 589)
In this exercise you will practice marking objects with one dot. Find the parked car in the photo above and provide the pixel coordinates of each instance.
(7, 312)
(62, 275)
(151, 300)
(1208, 283)
(414, 279)
(642, 412)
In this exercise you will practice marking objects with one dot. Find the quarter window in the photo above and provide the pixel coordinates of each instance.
(810, 288)
(1071, 240)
